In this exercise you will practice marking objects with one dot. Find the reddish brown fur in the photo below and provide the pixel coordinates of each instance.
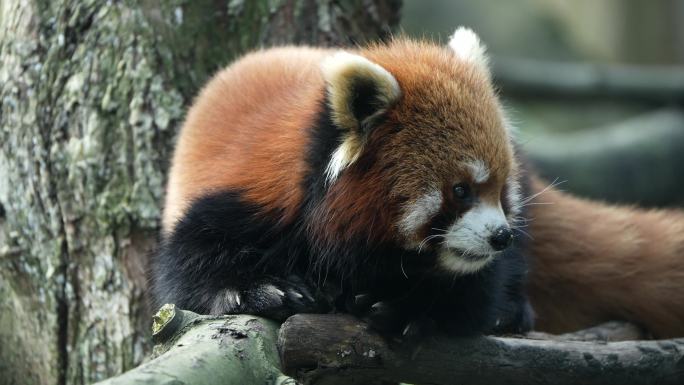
(446, 104)
(243, 134)
(247, 130)
(593, 262)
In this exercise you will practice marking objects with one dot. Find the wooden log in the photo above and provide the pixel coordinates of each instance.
(334, 349)
(607, 332)
(205, 350)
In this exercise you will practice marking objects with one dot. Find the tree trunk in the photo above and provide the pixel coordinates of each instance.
(92, 93)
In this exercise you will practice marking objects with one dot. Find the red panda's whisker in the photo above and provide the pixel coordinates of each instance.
(437, 229)
(401, 264)
(426, 240)
(536, 204)
(523, 219)
(467, 252)
(524, 232)
(553, 184)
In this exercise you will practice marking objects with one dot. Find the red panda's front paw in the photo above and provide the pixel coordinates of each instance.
(275, 298)
(394, 320)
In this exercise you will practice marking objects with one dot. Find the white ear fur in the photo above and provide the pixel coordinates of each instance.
(467, 46)
(343, 73)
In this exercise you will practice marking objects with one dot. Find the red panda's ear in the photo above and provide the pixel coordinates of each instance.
(358, 89)
(467, 46)
(359, 93)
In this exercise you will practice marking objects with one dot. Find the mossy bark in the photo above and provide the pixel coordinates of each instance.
(206, 350)
(92, 93)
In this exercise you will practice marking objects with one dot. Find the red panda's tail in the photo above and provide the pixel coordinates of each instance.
(593, 262)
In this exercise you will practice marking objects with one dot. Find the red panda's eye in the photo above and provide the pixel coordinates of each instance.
(461, 191)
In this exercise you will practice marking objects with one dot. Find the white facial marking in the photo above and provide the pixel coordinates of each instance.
(514, 197)
(467, 46)
(418, 213)
(457, 263)
(479, 171)
(470, 236)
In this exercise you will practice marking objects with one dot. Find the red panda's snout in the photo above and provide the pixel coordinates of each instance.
(474, 239)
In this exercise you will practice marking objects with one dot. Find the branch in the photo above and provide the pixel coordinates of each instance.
(583, 80)
(205, 350)
(633, 161)
(333, 349)
(338, 349)
(607, 332)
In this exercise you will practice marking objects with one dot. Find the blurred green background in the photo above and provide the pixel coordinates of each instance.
(595, 87)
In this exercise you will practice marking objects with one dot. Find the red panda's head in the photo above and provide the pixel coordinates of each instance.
(424, 158)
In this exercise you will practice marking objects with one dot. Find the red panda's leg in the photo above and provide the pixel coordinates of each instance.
(491, 301)
(224, 256)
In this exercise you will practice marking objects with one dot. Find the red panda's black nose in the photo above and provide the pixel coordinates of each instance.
(501, 239)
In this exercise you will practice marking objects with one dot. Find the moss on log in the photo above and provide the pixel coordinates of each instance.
(203, 350)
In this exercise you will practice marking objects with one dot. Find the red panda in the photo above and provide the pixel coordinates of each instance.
(380, 181)
(383, 181)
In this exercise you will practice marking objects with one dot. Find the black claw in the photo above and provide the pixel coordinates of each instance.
(384, 318)
(359, 305)
(363, 300)
(416, 330)
(407, 330)
(394, 320)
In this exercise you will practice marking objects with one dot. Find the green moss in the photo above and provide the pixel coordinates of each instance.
(163, 317)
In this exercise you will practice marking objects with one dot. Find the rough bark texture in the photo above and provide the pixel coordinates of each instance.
(205, 350)
(92, 93)
(338, 349)
(330, 349)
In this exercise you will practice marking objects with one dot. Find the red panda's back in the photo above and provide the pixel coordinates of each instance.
(248, 130)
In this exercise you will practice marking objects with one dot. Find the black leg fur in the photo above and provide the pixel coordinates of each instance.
(224, 257)
(490, 301)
